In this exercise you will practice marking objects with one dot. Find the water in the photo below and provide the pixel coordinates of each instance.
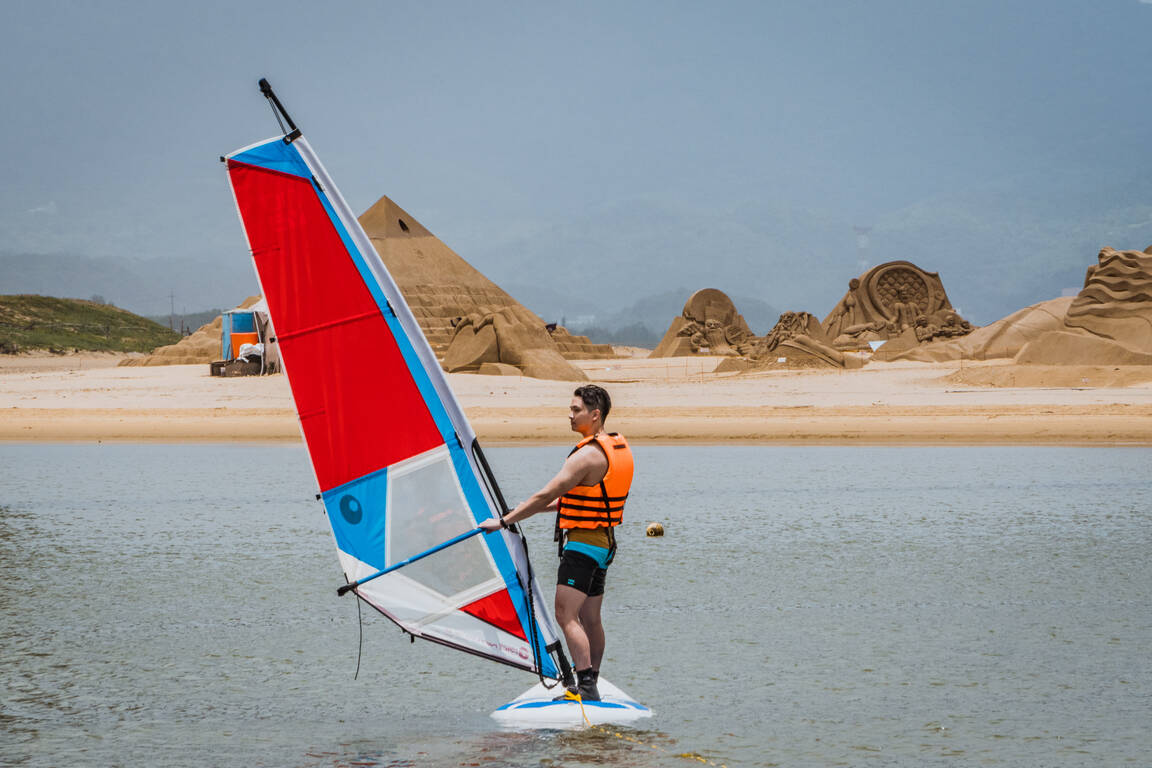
(175, 605)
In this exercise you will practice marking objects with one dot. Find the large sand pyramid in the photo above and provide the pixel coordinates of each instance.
(440, 286)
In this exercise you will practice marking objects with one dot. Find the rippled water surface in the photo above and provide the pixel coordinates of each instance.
(175, 605)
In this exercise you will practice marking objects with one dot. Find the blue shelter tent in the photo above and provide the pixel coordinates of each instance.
(246, 335)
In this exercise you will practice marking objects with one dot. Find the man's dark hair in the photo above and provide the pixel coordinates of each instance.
(595, 399)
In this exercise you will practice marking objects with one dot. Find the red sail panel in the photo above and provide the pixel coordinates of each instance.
(359, 407)
(497, 610)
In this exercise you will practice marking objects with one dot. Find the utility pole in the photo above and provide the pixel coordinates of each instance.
(172, 314)
(862, 261)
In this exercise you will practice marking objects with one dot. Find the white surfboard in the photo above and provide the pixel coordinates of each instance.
(535, 709)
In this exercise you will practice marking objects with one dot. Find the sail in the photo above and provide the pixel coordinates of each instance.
(398, 466)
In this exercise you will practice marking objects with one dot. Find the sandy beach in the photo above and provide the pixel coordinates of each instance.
(89, 398)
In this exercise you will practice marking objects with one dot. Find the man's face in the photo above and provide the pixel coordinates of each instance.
(580, 418)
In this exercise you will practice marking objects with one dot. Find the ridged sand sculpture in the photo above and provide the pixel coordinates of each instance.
(1108, 323)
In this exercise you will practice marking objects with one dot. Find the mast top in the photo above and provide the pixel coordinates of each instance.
(293, 132)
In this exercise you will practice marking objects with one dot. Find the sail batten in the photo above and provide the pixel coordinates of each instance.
(386, 437)
(328, 325)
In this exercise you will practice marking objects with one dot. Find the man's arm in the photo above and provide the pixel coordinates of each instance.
(585, 467)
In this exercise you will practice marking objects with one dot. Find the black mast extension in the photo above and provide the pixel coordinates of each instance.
(293, 132)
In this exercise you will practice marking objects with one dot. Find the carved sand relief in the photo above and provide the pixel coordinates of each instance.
(708, 325)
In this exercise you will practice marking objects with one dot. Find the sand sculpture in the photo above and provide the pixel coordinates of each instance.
(1004, 338)
(890, 300)
(509, 341)
(574, 347)
(708, 325)
(798, 341)
(440, 286)
(1108, 323)
(896, 300)
(202, 346)
(1110, 320)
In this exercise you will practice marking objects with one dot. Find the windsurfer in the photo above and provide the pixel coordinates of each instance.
(588, 495)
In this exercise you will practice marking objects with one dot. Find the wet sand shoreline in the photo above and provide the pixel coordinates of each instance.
(878, 425)
(675, 401)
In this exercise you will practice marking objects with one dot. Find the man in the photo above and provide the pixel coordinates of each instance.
(588, 495)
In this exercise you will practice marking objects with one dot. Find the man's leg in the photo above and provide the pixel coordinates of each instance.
(576, 578)
(590, 622)
(569, 602)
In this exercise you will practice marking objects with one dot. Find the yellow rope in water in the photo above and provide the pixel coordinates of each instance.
(686, 755)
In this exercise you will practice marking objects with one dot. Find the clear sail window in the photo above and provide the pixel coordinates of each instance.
(426, 507)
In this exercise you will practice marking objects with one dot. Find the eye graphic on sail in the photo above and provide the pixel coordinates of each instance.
(401, 474)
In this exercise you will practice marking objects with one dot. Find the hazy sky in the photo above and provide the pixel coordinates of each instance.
(496, 120)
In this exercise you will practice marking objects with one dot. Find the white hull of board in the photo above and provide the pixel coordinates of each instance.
(535, 709)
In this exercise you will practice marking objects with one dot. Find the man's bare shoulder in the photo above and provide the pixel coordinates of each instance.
(591, 453)
(589, 463)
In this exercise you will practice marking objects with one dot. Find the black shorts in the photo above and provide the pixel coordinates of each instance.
(581, 572)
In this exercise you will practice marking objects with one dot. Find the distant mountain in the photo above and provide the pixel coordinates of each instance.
(145, 286)
(643, 322)
(998, 246)
(658, 310)
(1008, 245)
(993, 256)
(601, 263)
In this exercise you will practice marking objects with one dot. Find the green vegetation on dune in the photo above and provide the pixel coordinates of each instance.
(63, 325)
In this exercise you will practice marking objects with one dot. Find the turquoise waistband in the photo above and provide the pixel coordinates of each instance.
(599, 554)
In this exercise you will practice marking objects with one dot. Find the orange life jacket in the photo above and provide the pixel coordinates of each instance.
(602, 505)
